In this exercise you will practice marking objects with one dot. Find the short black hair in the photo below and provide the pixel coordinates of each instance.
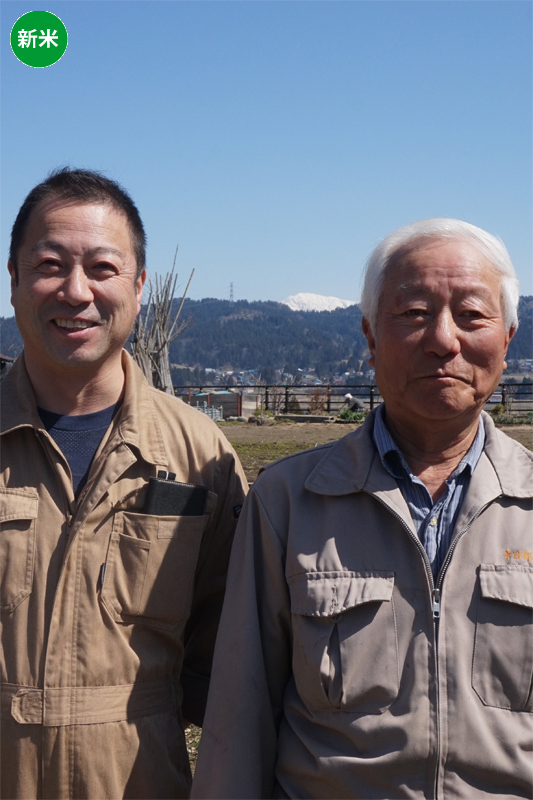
(85, 186)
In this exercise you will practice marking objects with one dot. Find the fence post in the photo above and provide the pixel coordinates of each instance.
(503, 385)
(371, 398)
(286, 399)
(266, 398)
(328, 402)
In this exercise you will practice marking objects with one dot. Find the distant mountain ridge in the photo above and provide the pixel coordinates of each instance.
(264, 335)
(306, 301)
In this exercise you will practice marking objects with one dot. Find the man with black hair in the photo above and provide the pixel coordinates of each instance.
(117, 510)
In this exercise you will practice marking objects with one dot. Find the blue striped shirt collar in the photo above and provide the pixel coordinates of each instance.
(394, 461)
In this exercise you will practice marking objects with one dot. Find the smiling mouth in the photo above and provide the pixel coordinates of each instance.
(74, 324)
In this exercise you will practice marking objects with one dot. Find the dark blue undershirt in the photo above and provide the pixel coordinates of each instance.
(78, 438)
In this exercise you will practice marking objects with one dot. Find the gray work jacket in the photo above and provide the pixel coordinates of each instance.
(341, 669)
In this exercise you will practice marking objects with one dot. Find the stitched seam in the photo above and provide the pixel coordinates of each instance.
(396, 644)
(508, 599)
(268, 518)
(338, 575)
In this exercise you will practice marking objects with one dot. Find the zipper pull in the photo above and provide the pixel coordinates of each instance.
(436, 603)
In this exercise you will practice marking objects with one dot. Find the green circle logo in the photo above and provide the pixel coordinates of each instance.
(39, 38)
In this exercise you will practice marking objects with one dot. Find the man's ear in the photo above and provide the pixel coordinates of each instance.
(367, 330)
(139, 283)
(14, 277)
(509, 335)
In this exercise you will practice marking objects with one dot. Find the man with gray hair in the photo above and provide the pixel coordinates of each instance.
(376, 638)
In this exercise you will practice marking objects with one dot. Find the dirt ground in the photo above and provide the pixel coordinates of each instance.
(522, 434)
(257, 445)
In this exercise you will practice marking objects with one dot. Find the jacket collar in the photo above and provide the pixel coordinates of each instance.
(512, 463)
(347, 465)
(18, 406)
(353, 465)
(135, 424)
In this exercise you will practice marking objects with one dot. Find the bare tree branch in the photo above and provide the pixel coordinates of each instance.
(157, 328)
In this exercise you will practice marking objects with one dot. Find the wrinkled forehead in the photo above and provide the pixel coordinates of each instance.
(438, 264)
(453, 249)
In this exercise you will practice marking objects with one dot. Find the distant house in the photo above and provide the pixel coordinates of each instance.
(230, 402)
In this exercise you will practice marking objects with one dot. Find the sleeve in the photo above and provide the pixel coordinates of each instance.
(230, 486)
(252, 665)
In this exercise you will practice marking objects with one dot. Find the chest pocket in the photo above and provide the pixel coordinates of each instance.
(150, 568)
(345, 650)
(18, 512)
(503, 665)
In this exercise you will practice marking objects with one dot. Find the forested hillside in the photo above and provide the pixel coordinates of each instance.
(261, 335)
(258, 335)
(522, 344)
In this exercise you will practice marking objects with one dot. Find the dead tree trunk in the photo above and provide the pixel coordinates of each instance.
(157, 328)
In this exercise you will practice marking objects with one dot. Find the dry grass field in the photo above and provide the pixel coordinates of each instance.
(257, 445)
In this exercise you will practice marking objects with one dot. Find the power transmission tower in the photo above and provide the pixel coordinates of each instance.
(231, 292)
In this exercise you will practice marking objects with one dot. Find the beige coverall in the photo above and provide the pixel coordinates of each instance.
(96, 676)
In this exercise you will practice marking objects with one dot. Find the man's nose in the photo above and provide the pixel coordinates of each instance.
(441, 335)
(75, 288)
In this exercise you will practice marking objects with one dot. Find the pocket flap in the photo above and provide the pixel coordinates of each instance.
(326, 594)
(512, 583)
(18, 504)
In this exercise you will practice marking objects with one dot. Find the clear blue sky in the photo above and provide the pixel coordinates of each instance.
(277, 142)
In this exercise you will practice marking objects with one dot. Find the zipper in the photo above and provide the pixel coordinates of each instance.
(436, 616)
(453, 545)
(414, 538)
(436, 603)
(436, 597)
(435, 594)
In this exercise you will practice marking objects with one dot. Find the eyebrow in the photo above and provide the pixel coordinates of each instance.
(50, 244)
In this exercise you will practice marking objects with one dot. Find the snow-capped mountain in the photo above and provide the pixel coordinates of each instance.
(305, 301)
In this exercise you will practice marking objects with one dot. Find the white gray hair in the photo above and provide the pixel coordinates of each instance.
(417, 234)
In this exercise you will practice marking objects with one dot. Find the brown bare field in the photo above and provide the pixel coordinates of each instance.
(257, 445)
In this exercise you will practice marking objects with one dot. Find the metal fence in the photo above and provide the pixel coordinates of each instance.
(211, 411)
(324, 399)
(316, 399)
